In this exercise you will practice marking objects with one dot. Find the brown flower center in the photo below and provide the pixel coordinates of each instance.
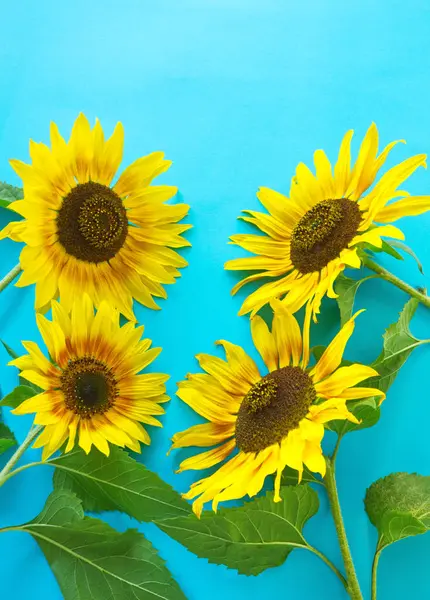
(92, 223)
(323, 232)
(273, 407)
(89, 387)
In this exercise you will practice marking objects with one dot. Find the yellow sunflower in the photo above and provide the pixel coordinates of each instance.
(312, 236)
(84, 233)
(92, 389)
(264, 422)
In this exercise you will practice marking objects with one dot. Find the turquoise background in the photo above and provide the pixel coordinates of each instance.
(236, 92)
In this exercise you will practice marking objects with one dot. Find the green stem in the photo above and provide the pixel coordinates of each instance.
(353, 587)
(6, 473)
(384, 274)
(374, 572)
(10, 277)
(328, 562)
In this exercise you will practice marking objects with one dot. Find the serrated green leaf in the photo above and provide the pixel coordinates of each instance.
(117, 482)
(9, 193)
(17, 396)
(399, 506)
(290, 477)
(21, 380)
(61, 507)
(7, 438)
(398, 345)
(251, 538)
(408, 250)
(346, 288)
(92, 560)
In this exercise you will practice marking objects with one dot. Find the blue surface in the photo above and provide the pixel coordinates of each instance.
(236, 92)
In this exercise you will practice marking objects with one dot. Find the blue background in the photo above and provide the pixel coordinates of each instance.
(236, 92)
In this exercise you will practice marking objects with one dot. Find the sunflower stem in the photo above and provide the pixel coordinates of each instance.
(7, 279)
(384, 274)
(353, 586)
(374, 572)
(5, 473)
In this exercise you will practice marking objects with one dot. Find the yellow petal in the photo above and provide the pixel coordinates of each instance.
(206, 434)
(241, 365)
(373, 236)
(343, 378)
(208, 459)
(332, 356)
(286, 332)
(408, 207)
(264, 342)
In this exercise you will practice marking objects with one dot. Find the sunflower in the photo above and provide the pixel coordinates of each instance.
(91, 388)
(81, 232)
(264, 422)
(313, 235)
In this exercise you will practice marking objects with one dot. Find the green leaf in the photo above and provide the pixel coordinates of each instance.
(399, 506)
(21, 380)
(251, 538)
(117, 482)
(7, 438)
(398, 345)
(409, 251)
(92, 560)
(17, 396)
(290, 477)
(9, 193)
(346, 288)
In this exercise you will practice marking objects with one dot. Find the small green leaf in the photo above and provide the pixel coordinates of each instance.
(409, 251)
(385, 247)
(9, 350)
(7, 438)
(117, 482)
(317, 352)
(251, 538)
(92, 560)
(9, 193)
(21, 380)
(290, 477)
(367, 412)
(346, 288)
(17, 396)
(399, 506)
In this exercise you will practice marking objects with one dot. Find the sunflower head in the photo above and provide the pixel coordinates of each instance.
(261, 423)
(92, 390)
(310, 237)
(83, 231)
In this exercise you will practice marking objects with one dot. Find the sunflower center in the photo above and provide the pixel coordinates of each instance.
(323, 232)
(273, 407)
(89, 387)
(92, 223)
